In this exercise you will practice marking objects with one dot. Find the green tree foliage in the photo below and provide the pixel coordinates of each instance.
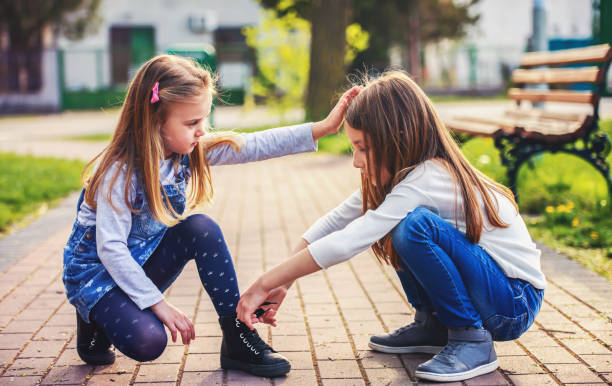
(25, 19)
(282, 47)
(328, 47)
(409, 23)
(372, 27)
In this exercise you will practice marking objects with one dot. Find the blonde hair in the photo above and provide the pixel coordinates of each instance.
(137, 146)
(402, 130)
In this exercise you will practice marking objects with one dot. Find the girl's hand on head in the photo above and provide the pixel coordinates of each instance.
(249, 302)
(175, 320)
(331, 124)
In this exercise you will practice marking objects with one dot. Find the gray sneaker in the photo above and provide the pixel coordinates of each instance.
(469, 353)
(425, 335)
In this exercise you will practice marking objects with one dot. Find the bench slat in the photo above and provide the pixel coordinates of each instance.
(472, 128)
(592, 54)
(535, 95)
(558, 76)
(540, 127)
(536, 113)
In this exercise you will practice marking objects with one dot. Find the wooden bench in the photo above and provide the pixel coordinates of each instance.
(525, 131)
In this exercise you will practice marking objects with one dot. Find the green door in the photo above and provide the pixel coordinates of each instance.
(142, 45)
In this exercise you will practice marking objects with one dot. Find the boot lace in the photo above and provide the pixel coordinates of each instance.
(251, 339)
(401, 330)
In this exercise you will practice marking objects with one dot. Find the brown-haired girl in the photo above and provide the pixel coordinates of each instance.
(455, 237)
(131, 240)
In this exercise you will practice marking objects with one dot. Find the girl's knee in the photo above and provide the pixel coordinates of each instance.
(199, 224)
(146, 343)
(415, 224)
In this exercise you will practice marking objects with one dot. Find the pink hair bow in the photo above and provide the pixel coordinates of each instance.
(155, 96)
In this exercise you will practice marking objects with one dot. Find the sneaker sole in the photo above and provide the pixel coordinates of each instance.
(480, 370)
(275, 370)
(405, 349)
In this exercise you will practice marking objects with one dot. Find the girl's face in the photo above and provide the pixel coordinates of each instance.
(363, 156)
(185, 124)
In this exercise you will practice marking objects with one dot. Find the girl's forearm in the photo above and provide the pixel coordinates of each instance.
(301, 245)
(284, 274)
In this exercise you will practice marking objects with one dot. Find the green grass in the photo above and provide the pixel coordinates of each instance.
(98, 137)
(467, 98)
(27, 183)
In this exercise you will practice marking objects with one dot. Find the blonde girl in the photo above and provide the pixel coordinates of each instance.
(131, 240)
(462, 251)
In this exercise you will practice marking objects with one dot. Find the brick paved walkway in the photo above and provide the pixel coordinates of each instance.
(327, 318)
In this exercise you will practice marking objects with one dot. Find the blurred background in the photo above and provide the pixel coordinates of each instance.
(65, 66)
(80, 54)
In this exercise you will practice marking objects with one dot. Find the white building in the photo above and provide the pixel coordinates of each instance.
(498, 40)
(131, 32)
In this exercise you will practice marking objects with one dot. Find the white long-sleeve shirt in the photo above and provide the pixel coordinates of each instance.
(113, 226)
(346, 231)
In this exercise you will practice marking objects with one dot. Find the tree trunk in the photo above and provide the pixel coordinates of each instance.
(414, 45)
(327, 50)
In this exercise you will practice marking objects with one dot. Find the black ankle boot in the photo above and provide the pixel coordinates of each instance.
(92, 344)
(243, 349)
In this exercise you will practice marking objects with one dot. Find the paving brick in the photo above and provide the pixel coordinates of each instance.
(291, 343)
(375, 360)
(6, 356)
(387, 376)
(28, 366)
(299, 360)
(334, 351)
(548, 355)
(54, 333)
(585, 346)
(62, 320)
(600, 362)
(172, 354)
(531, 379)
(205, 345)
(22, 326)
(338, 369)
(202, 378)
(20, 380)
(42, 349)
(67, 375)
(508, 348)
(239, 378)
(490, 379)
(411, 361)
(573, 373)
(202, 362)
(122, 365)
(343, 382)
(298, 377)
(519, 365)
(157, 373)
(13, 341)
(207, 329)
(109, 379)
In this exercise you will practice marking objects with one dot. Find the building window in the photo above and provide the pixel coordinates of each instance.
(20, 68)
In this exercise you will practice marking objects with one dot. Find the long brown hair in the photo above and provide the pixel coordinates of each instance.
(402, 130)
(137, 146)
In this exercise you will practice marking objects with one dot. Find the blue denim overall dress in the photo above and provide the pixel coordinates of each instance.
(85, 278)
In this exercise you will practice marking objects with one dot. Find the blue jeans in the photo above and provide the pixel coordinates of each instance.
(443, 272)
